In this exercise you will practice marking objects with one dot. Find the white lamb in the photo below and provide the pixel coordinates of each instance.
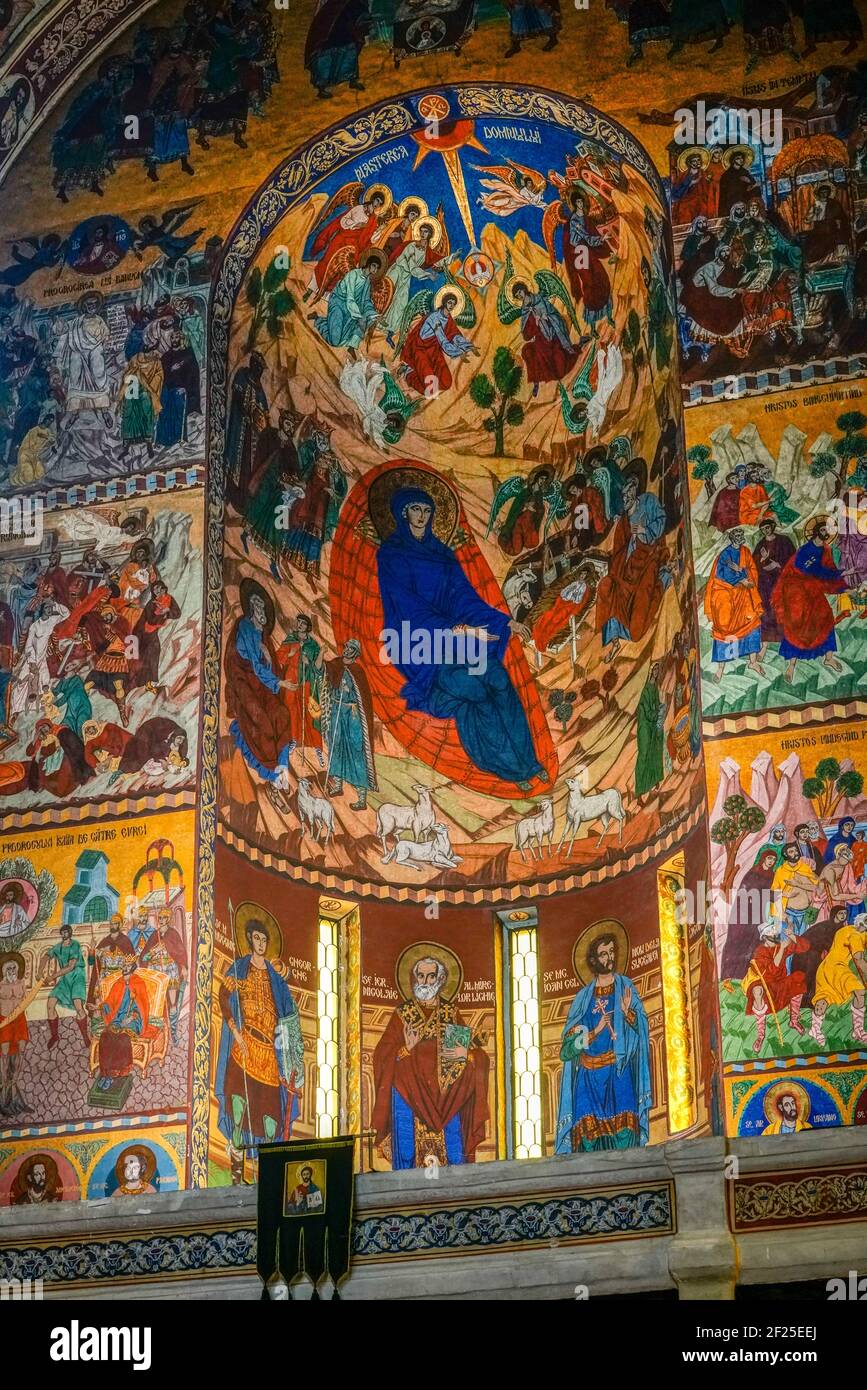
(604, 806)
(437, 852)
(315, 813)
(533, 830)
(418, 818)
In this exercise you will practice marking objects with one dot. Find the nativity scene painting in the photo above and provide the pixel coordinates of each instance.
(456, 609)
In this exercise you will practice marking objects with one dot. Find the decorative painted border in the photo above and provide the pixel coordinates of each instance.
(14, 822)
(773, 1201)
(70, 1129)
(803, 1063)
(798, 717)
(608, 1214)
(760, 383)
(120, 489)
(288, 185)
(118, 1257)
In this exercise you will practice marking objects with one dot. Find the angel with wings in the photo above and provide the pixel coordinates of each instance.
(431, 337)
(535, 502)
(511, 187)
(423, 257)
(548, 352)
(343, 230)
(164, 234)
(587, 242)
(384, 416)
(598, 380)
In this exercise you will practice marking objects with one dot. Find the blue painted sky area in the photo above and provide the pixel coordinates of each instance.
(542, 148)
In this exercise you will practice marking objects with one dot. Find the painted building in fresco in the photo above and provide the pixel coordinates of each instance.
(431, 616)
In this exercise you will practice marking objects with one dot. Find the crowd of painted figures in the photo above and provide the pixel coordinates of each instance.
(366, 252)
(76, 392)
(120, 982)
(776, 591)
(772, 251)
(797, 938)
(81, 635)
(340, 29)
(206, 73)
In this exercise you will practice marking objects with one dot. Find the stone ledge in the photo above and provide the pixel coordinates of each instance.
(620, 1222)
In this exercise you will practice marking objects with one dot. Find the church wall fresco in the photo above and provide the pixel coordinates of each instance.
(99, 662)
(288, 919)
(262, 132)
(354, 423)
(97, 936)
(773, 471)
(787, 828)
(105, 351)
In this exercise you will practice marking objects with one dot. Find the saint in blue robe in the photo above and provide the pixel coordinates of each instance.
(605, 1089)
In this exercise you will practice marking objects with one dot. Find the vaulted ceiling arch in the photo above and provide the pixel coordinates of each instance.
(50, 53)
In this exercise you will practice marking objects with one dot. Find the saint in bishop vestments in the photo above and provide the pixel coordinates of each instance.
(431, 1075)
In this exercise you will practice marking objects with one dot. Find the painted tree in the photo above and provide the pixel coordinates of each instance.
(849, 449)
(498, 397)
(829, 785)
(739, 819)
(269, 299)
(704, 467)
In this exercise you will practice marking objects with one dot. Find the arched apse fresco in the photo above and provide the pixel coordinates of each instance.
(448, 580)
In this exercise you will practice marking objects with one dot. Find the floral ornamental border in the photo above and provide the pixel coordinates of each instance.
(230, 1248)
(288, 185)
(771, 1201)
(621, 1214)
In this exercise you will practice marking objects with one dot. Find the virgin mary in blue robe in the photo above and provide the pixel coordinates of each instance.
(422, 584)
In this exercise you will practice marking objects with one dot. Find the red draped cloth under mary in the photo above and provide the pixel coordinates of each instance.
(356, 611)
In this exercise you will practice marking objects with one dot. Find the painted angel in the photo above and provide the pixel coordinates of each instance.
(548, 351)
(383, 417)
(586, 226)
(424, 257)
(511, 187)
(344, 229)
(592, 389)
(534, 503)
(431, 337)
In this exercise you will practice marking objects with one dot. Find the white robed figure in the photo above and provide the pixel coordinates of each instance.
(81, 350)
(31, 676)
(413, 263)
